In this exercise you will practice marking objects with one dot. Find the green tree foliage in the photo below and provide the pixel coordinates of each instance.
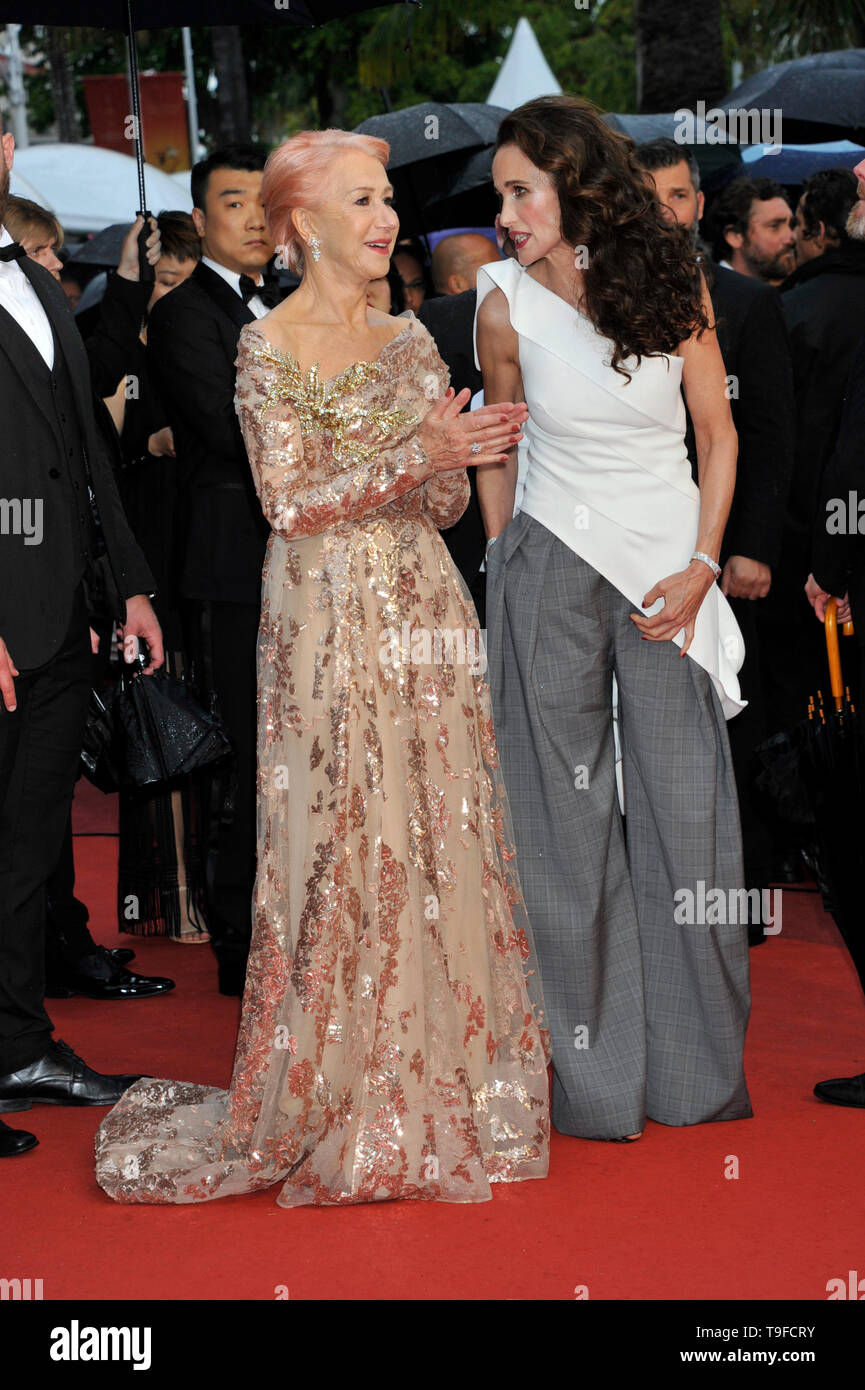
(347, 70)
(445, 50)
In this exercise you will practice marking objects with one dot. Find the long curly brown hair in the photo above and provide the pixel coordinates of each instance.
(642, 282)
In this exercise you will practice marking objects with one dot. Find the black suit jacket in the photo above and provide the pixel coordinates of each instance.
(450, 319)
(37, 582)
(192, 347)
(838, 559)
(753, 342)
(824, 310)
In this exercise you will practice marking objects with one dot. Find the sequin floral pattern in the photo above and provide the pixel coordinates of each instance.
(392, 1041)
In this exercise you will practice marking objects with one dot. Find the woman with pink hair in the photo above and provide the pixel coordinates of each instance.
(392, 1042)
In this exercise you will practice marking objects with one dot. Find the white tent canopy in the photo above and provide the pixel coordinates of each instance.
(524, 73)
(22, 188)
(89, 188)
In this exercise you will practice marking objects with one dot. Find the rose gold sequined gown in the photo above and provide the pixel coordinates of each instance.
(392, 1041)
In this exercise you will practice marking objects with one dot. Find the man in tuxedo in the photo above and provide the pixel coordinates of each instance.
(61, 525)
(192, 347)
(450, 319)
(756, 355)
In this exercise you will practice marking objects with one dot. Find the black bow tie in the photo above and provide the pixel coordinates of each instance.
(269, 293)
(13, 252)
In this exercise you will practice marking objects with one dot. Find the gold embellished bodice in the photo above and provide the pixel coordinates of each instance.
(329, 451)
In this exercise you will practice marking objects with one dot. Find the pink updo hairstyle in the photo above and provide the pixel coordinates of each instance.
(296, 176)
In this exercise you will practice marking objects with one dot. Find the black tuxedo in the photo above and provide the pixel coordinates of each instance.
(191, 348)
(753, 342)
(838, 559)
(824, 309)
(38, 582)
(52, 450)
(450, 320)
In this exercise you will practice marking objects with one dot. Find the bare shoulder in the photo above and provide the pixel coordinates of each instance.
(495, 332)
(494, 311)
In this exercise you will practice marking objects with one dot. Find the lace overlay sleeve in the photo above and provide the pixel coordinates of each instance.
(446, 495)
(276, 407)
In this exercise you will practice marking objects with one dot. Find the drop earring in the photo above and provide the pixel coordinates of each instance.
(315, 247)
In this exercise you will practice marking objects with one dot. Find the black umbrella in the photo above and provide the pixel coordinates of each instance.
(433, 129)
(792, 165)
(711, 158)
(103, 248)
(168, 14)
(818, 96)
(440, 161)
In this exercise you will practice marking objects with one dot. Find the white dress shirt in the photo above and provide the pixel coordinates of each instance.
(232, 278)
(19, 298)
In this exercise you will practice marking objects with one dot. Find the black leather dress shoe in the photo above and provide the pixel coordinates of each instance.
(60, 1077)
(122, 954)
(15, 1141)
(843, 1090)
(99, 976)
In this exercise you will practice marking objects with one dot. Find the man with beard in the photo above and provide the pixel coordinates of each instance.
(61, 523)
(756, 355)
(752, 230)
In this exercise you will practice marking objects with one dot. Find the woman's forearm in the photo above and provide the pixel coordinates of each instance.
(716, 462)
(497, 485)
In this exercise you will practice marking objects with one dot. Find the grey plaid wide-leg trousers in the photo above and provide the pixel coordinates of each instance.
(647, 1015)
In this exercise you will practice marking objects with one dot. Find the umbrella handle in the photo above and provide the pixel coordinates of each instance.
(146, 272)
(836, 679)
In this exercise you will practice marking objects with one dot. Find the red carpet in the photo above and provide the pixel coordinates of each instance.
(653, 1220)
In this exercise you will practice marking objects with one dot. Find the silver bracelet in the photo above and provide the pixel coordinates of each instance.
(490, 543)
(707, 560)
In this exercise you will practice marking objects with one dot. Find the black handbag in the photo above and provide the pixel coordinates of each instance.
(148, 729)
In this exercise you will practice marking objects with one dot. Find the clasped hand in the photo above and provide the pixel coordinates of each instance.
(818, 598)
(683, 594)
(447, 435)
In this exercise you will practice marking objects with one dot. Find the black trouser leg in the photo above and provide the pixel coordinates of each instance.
(224, 638)
(746, 731)
(67, 937)
(40, 744)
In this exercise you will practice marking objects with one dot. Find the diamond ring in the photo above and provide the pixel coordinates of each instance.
(476, 448)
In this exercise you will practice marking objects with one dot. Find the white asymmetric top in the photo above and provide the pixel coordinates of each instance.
(607, 469)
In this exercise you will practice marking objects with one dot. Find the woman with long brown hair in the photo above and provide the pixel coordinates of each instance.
(608, 571)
